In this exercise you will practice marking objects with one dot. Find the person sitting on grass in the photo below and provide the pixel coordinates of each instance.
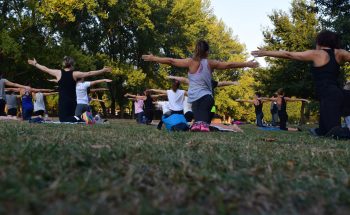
(200, 69)
(176, 99)
(67, 78)
(12, 103)
(282, 108)
(214, 85)
(82, 94)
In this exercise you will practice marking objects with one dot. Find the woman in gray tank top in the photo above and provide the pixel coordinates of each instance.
(200, 76)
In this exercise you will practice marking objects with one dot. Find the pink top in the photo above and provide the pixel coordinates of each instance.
(138, 106)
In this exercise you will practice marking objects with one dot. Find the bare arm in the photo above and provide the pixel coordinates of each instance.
(53, 80)
(41, 90)
(230, 65)
(160, 95)
(310, 55)
(227, 83)
(15, 85)
(183, 63)
(345, 55)
(243, 100)
(53, 72)
(135, 97)
(77, 75)
(180, 79)
(12, 89)
(92, 83)
(158, 91)
(98, 90)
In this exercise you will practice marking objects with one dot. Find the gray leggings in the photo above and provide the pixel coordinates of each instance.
(81, 108)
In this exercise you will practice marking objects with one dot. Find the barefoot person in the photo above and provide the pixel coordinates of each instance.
(67, 78)
(200, 92)
(326, 59)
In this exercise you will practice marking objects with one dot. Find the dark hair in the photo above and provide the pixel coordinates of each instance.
(202, 48)
(68, 62)
(258, 94)
(328, 39)
(280, 91)
(176, 85)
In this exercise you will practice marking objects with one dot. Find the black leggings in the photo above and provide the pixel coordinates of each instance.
(2, 107)
(283, 120)
(149, 116)
(66, 111)
(331, 106)
(202, 109)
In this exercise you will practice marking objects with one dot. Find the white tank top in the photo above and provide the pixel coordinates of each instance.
(39, 103)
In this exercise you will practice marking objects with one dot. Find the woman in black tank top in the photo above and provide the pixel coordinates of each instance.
(258, 105)
(67, 83)
(326, 59)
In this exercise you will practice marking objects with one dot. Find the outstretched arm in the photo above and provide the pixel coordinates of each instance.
(310, 55)
(243, 100)
(230, 65)
(92, 83)
(169, 61)
(98, 90)
(15, 85)
(158, 91)
(296, 100)
(53, 80)
(180, 79)
(12, 90)
(35, 90)
(53, 72)
(160, 95)
(77, 75)
(227, 83)
(135, 97)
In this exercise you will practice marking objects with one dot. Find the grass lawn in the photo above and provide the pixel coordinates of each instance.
(124, 168)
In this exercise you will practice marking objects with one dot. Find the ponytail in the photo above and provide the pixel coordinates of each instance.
(201, 51)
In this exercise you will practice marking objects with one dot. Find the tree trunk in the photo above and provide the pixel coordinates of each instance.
(103, 106)
(302, 114)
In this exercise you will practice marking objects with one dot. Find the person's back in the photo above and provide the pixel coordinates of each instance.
(81, 92)
(11, 101)
(39, 103)
(67, 96)
(200, 83)
(27, 105)
(176, 99)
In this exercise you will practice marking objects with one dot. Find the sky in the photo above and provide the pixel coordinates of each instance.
(247, 18)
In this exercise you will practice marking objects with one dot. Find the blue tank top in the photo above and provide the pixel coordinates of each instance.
(27, 101)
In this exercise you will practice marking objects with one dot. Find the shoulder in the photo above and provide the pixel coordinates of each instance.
(87, 83)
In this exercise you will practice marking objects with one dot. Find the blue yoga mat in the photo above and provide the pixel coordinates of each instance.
(269, 129)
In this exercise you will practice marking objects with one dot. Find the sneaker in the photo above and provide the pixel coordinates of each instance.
(196, 127)
(204, 127)
(88, 118)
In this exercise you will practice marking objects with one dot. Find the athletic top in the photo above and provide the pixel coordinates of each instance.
(176, 99)
(27, 101)
(149, 103)
(81, 91)
(138, 106)
(259, 107)
(2, 88)
(283, 107)
(200, 82)
(39, 103)
(187, 105)
(326, 75)
(11, 101)
(164, 106)
(66, 87)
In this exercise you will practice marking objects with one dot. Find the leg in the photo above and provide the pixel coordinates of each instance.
(2, 107)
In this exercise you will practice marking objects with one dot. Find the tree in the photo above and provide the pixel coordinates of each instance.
(293, 31)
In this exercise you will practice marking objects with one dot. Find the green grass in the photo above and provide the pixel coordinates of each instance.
(124, 168)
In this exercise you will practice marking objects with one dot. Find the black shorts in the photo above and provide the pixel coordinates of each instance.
(12, 112)
(39, 113)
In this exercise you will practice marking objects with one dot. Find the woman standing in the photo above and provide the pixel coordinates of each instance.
(200, 76)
